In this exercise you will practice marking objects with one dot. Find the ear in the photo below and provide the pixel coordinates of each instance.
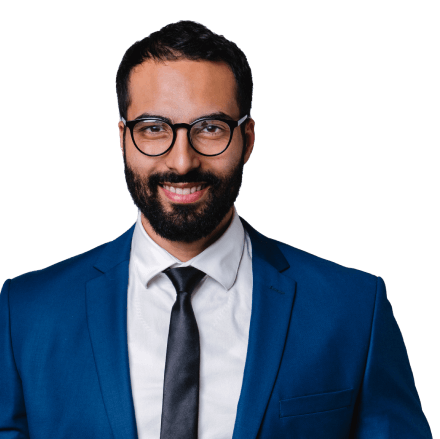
(121, 127)
(250, 138)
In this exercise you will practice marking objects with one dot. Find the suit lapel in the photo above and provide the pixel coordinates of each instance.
(272, 301)
(106, 302)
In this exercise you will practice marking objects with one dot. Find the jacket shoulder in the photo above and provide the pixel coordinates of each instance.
(306, 266)
(341, 296)
(68, 274)
(319, 274)
(308, 261)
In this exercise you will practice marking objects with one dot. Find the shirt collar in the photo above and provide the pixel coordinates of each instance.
(220, 260)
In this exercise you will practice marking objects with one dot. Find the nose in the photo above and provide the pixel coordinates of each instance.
(182, 158)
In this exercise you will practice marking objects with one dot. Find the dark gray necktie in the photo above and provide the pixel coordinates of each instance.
(180, 409)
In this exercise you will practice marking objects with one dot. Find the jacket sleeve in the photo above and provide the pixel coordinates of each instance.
(13, 421)
(388, 406)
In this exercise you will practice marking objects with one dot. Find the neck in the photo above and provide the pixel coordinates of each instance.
(184, 251)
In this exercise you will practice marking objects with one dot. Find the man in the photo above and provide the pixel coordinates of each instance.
(192, 324)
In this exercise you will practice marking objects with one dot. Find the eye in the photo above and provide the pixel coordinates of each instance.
(211, 128)
(152, 128)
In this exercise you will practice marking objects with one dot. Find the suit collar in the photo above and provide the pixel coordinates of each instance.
(266, 249)
(115, 252)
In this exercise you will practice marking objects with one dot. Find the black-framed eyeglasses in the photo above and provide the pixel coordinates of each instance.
(207, 136)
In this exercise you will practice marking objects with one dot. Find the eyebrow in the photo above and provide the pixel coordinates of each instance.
(218, 114)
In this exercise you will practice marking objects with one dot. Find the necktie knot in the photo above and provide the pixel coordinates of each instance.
(184, 279)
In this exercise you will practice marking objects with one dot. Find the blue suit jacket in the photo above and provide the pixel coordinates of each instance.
(325, 357)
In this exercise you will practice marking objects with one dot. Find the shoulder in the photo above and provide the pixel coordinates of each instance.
(306, 265)
(57, 281)
(320, 278)
(348, 294)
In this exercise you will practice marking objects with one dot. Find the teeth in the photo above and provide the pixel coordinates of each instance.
(180, 191)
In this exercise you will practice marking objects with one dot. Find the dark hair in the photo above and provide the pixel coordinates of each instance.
(188, 40)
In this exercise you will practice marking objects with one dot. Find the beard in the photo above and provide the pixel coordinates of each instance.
(185, 222)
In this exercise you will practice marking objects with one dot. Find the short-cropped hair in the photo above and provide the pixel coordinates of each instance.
(186, 40)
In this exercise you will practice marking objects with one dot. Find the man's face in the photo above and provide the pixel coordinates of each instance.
(184, 91)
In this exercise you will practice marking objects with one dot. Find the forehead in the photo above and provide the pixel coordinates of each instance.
(182, 90)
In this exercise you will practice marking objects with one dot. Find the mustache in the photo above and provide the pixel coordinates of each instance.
(193, 176)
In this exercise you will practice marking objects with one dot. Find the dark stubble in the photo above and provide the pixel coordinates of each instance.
(185, 222)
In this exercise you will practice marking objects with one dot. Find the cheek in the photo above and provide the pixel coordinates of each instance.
(220, 165)
(225, 162)
(141, 165)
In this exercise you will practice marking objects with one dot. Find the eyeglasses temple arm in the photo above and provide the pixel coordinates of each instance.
(242, 120)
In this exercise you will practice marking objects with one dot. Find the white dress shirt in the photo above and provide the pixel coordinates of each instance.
(222, 305)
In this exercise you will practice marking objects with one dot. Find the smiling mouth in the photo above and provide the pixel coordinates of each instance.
(190, 194)
(184, 189)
